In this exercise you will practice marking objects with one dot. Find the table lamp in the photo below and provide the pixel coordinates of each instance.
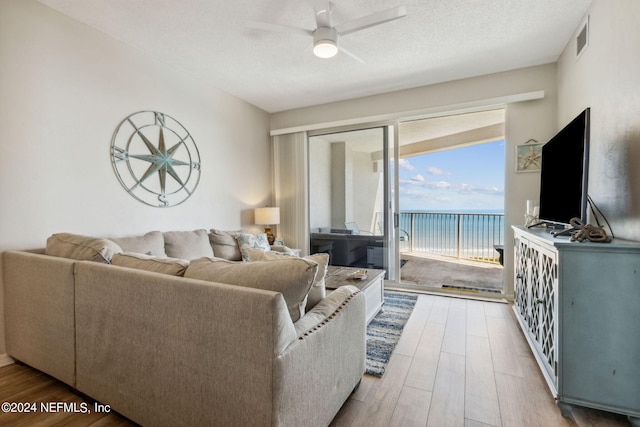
(267, 217)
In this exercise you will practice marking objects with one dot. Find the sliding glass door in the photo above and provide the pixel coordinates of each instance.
(351, 206)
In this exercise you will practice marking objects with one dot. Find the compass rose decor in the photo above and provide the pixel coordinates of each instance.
(155, 159)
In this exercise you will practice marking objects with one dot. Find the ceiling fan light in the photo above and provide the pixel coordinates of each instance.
(325, 42)
(325, 49)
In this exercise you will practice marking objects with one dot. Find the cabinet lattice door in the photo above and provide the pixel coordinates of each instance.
(535, 298)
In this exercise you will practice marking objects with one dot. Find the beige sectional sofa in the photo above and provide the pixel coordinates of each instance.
(167, 350)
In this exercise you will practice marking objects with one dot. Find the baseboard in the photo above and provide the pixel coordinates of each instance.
(5, 360)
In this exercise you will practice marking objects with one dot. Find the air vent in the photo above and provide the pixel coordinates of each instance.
(582, 39)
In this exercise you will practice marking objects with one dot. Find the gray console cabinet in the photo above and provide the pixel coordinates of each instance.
(578, 304)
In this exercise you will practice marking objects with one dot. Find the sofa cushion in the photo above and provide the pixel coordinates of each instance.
(252, 241)
(75, 246)
(225, 245)
(151, 243)
(172, 266)
(290, 276)
(318, 291)
(187, 244)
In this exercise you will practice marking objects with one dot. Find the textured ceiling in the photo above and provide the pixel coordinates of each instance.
(438, 40)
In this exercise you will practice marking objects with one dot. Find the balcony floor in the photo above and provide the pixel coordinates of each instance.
(447, 273)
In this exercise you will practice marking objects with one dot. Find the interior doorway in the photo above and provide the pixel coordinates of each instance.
(451, 203)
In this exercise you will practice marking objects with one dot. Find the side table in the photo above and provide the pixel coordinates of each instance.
(372, 285)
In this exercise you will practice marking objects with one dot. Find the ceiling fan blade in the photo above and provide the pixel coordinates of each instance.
(322, 9)
(371, 20)
(266, 26)
(343, 50)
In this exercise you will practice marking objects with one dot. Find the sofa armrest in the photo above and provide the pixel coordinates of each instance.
(320, 369)
(39, 312)
(323, 311)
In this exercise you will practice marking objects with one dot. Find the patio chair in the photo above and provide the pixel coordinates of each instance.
(404, 236)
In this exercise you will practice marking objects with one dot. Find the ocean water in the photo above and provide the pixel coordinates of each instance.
(470, 234)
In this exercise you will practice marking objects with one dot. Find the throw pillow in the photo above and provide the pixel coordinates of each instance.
(252, 241)
(225, 245)
(292, 277)
(187, 244)
(172, 266)
(151, 243)
(283, 250)
(318, 291)
(75, 246)
(260, 255)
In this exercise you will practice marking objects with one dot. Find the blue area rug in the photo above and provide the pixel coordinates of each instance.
(385, 329)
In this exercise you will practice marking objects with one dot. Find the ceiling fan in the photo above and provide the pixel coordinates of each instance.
(325, 36)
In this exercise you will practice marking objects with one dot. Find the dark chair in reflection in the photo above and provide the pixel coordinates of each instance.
(345, 248)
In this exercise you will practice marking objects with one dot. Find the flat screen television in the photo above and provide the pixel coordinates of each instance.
(564, 173)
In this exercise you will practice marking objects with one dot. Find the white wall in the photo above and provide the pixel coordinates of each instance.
(366, 191)
(525, 120)
(63, 90)
(606, 77)
(343, 186)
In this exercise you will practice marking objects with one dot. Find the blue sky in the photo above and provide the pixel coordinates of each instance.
(469, 178)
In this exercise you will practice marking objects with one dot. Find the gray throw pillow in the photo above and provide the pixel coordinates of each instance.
(172, 266)
(152, 243)
(290, 276)
(75, 246)
(187, 244)
(225, 245)
(319, 290)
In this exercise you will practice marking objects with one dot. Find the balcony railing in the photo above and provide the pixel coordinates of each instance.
(461, 235)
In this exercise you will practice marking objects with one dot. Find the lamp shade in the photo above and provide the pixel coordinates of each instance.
(267, 216)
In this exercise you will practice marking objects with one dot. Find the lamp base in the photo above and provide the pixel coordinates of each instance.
(270, 237)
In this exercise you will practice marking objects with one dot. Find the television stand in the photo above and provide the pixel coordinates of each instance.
(577, 305)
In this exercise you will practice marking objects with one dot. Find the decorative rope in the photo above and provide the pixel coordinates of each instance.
(588, 232)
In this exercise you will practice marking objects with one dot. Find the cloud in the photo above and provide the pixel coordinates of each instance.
(435, 171)
(441, 184)
(404, 164)
(473, 189)
(420, 181)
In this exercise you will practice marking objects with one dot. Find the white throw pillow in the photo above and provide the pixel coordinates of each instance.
(252, 241)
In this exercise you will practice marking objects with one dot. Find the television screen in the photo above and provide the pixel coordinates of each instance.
(564, 172)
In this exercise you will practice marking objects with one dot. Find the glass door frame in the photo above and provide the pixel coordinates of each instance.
(390, 188)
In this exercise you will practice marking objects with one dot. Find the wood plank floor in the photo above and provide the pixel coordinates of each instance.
(23, 384)
(459, 363)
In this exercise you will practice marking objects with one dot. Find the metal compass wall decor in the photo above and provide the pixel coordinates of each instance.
(155, 159)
